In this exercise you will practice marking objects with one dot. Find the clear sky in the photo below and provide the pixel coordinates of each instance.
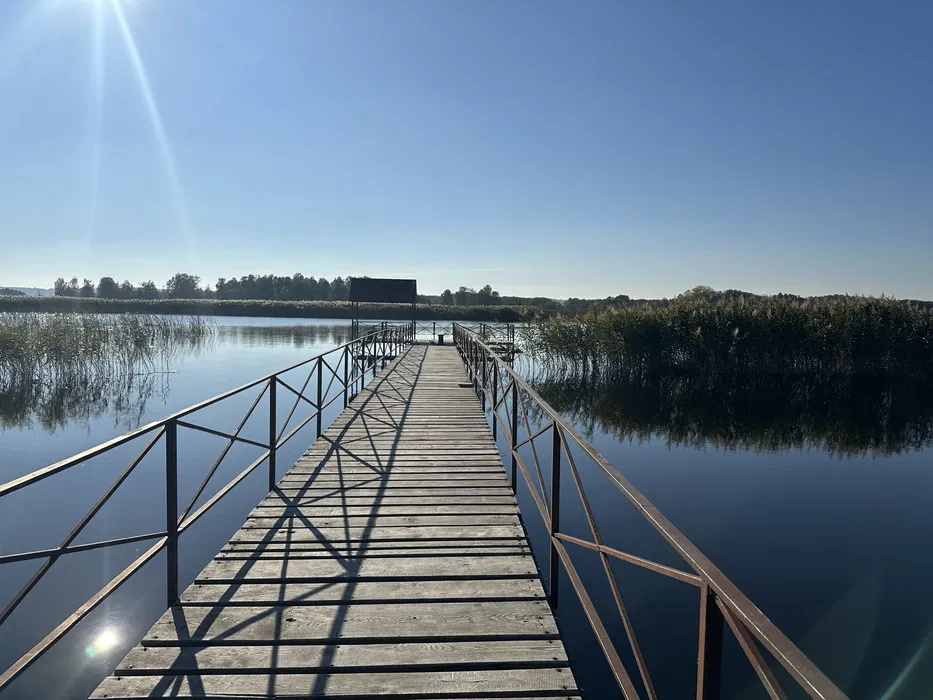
(574, 148)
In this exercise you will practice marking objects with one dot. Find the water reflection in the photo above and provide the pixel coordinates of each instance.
(296, 336)
(53, 406)
(103, 642)
(118, 386)
(844, 416)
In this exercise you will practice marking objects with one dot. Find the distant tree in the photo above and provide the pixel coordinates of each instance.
(148, 290)
(464, 296)
(127, 290)
(182, 286)
(107, 288)
(7, 292)
(87, 289)
(61, 288)
(339, 291)
(484, 296)
(323, 289)
(73, 289)
(447, 298)
(265, 287)
(701, 291)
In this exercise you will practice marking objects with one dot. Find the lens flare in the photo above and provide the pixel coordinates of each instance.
(158, 127)
(103, 642)
(96, 109)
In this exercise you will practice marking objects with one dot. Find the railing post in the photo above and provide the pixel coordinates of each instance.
(495, 399)
(346, 376)
(320, 400)
(514, 429)
(171, 511)
(362, 376)
(483, 388)
(273, 429)
(709, 660)
(555, 513)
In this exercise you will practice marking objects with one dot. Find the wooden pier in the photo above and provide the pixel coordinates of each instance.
(390, 561)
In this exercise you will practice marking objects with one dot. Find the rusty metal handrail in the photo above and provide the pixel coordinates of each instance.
(357, 358)
(721, 601)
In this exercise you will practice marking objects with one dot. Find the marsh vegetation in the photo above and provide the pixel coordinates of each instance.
(58, 367)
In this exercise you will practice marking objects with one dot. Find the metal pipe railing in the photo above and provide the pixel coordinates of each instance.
(357, 357)
(722, 604)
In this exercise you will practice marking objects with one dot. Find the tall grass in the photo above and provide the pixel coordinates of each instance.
(55, 365)
(855, 336)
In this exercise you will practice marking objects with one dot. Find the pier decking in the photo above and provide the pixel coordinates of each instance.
(390, 561)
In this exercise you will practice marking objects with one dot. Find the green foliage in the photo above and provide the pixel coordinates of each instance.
(148, 290)
(293, 309)
(7, 292)
(783, 335)
(279, 288)
(183, 286)
(107, 288)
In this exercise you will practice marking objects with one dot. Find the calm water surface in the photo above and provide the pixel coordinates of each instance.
(816, 500)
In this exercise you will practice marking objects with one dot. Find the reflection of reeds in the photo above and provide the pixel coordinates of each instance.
(297, 336)
(56, 367)
(842, 415)
(844, 336)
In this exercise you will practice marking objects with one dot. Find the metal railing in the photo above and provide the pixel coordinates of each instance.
(491, 332)
(354, 360)
(721, 602)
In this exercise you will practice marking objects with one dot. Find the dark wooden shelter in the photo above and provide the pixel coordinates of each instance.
(370, 290)
(383, 291)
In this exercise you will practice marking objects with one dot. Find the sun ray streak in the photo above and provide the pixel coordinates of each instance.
(181, 205)
(96, 111)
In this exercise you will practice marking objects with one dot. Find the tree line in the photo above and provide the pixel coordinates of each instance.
(264, 287)
(300, 288)
(185, 286)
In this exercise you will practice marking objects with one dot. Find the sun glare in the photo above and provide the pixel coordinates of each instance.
(103, 642)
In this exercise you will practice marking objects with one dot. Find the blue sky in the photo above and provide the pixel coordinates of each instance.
(576, 148)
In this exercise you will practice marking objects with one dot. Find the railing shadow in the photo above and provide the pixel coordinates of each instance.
(186, 663)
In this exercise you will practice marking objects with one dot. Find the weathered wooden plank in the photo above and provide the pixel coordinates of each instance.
(367, 685)
(284, 658)
(384, 510)
(360, 592)
(289, 623)
(377, 521)
(383, 534)
(405, 499)
(412, 566)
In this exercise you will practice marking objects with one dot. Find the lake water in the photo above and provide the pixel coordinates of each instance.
(817, 501)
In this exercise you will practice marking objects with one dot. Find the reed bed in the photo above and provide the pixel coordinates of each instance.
(855, 336)
(51, 362)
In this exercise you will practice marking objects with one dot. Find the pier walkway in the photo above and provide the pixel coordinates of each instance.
(389, 561)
